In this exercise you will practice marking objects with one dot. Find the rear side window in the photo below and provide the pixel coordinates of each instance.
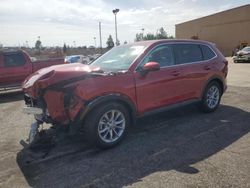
(207, 52)
(13, 60)
(187, 53)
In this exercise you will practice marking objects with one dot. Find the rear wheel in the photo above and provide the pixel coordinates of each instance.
(211, 97)
(106, 125)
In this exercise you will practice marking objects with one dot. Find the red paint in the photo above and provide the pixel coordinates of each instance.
(15, 75)
(156, 89)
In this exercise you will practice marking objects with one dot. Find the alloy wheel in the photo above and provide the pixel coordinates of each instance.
(213, 97)
(111, 126)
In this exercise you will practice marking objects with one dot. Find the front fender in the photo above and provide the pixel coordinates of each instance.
(115, 97)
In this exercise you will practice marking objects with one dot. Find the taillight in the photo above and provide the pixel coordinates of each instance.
(225, 69)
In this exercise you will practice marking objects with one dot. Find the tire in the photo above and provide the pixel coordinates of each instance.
(106, 125)
(235, 61)
(211, 103)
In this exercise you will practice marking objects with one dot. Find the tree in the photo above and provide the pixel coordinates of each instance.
(160, 34)
(139, 37)
(38, 46)
(64, 48)
(149, 36)
(110, 42)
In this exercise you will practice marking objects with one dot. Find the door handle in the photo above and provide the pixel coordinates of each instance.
(207, 67)
(175, 73)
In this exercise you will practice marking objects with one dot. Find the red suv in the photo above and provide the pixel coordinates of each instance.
(129, 81)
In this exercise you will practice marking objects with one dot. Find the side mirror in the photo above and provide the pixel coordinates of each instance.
(151, 66)
(148, 67)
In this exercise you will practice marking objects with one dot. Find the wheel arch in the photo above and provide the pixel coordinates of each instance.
(217, 79)
(115, 97)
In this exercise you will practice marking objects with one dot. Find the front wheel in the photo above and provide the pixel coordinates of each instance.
(106, 125)
(211, 97)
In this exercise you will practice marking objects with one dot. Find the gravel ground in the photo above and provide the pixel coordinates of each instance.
(178, 148)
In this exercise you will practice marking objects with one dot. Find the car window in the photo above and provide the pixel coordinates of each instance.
(207, 52)
(187, 53)
(162, 55)
(246, 49)
(118, 58)
(13, 60)
(75, 59)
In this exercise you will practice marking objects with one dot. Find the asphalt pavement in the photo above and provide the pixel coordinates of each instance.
(178, 148)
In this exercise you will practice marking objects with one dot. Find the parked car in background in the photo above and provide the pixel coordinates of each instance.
(77, 59)
(16, 65)
(105, 97)
(94, 57)
(242, 55)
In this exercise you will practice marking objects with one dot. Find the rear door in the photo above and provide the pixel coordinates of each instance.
(196, 61)
(14, 69)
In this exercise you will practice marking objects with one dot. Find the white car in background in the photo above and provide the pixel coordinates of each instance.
(243, 55)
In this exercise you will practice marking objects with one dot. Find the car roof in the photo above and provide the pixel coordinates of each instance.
(151, 42)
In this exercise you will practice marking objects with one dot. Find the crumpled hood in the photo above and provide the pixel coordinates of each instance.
(54, 74)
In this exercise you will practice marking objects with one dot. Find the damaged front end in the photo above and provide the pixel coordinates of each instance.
(55, 107)
(51, 98)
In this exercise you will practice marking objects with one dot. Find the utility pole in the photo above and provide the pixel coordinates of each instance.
(115, 11)
(100, 34)
(95, 41)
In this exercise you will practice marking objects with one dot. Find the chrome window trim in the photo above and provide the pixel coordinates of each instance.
(183, 64)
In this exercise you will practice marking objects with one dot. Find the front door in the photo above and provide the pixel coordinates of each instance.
(159, 88)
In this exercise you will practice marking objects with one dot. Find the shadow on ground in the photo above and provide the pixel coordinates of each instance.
(173, 140)
(11, 96)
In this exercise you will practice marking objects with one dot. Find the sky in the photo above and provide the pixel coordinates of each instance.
(65, 21)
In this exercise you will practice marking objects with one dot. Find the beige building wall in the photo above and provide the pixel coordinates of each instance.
(226, 29)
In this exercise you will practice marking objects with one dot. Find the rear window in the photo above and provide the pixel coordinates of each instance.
(207, 52)
(187, 53)
(13, 60)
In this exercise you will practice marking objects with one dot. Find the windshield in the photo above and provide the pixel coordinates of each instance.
(246, 49)
(118, 59)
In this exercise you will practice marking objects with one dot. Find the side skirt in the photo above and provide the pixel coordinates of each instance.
(170, 107)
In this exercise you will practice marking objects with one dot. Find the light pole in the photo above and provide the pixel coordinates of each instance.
(115, 11)
(95, 41)
(100, 34)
